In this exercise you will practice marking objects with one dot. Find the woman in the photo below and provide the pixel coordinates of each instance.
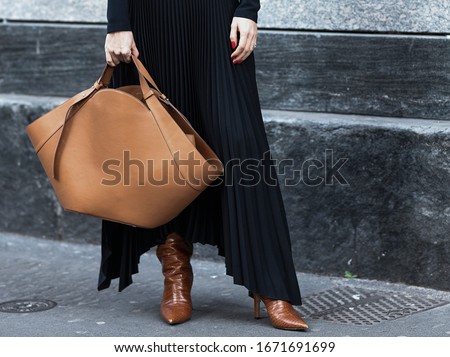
(200, 53)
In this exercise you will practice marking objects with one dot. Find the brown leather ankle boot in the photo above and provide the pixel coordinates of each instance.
(174, 255)
(281, 313)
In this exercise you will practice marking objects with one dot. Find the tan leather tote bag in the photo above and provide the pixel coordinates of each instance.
(125, 155)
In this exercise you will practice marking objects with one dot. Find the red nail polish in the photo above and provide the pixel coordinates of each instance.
(233, 45)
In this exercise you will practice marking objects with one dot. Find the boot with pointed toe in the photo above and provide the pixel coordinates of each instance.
(174, 255)
(281, 313)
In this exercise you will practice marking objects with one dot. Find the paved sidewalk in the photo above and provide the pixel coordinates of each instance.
(66, 273)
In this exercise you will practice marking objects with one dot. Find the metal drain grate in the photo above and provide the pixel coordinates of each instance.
(24, 306)
(364, 307)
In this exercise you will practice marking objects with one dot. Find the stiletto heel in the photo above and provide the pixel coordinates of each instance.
(281, 313)
(256, 305)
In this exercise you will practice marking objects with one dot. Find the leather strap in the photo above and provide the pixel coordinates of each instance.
(70, 112)
(142, 70)
(103, 82)
(105, 78)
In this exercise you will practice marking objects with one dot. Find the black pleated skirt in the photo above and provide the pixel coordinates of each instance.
(185, 46)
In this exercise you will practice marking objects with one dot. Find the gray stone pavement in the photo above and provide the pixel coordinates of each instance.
(66, 273)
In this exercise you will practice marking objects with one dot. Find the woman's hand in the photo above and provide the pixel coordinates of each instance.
(247, 38)
(119, 46)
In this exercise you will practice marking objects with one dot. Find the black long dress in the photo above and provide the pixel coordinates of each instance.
(185, 46)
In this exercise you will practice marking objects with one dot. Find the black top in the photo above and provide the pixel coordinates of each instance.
(118, 19)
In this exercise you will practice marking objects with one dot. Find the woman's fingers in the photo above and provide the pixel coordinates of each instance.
(245, 47)
(240, 52)
(119, 46)
(126, 54)
(110, 60)
(134, 49)
(233, 34)
(247, 38)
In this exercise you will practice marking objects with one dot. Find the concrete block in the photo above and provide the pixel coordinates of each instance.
(389, 217)
(395, 76)
(374, 198)
(405, 16)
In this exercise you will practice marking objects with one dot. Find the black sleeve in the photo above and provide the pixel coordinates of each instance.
(117, 15)
(248, 9)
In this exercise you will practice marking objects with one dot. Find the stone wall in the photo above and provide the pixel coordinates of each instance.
(366, 57)
(404, 16)
(388, 220)
(366, 79)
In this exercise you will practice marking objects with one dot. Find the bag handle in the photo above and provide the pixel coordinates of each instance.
(103, 82)
(106, 76)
